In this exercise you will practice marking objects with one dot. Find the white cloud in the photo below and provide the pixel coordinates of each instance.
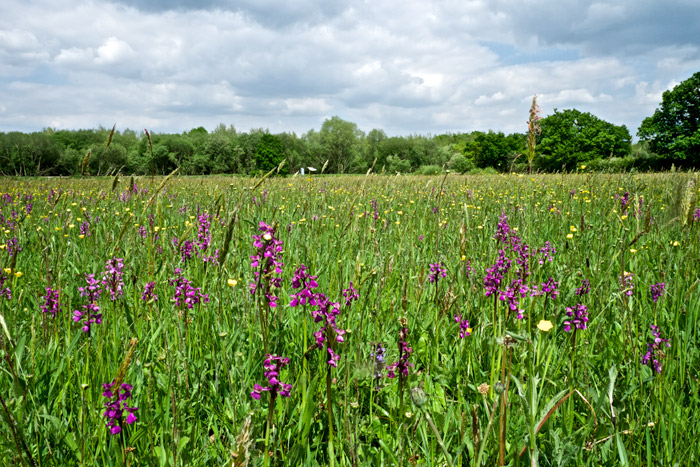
(406, 67)
(112, 51)
(74, 56)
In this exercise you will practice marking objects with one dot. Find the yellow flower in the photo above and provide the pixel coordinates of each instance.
(544, 325)
(232, 282)
(632, 250)
(570, 236)
(572, 228)
(7, 270)
(18, 274)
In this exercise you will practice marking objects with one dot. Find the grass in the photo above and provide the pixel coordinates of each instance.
(508, 393)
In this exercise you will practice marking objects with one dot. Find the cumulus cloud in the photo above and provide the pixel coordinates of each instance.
(406, 67)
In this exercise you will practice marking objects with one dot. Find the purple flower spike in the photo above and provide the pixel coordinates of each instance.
(654, 353)
(204, 236)
(350, 295)
(306, 283)
(401, 366)
(327, 313)
(116, 406)
(585, 287)
(51, 305)
(657, 290)
(90, 313)
(579, 315)
(4, 291)
(437, 271)
(185, 294)
(149, 292)
(626, 283)
(464, 329)
(272, 366)
(266, 261)
(113, 278)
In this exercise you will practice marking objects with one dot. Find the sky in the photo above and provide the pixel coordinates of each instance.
(406, 67)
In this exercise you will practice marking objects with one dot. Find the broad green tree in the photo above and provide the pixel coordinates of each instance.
(339, 139)
(674, 129)
(269, 153)
(495, 149)
(570, 137)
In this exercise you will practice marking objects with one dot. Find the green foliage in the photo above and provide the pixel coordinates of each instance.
(395, 164)
(674, 129)
(28, 154)
(568, 399)
(269, 153)
(460, 164)
(430, 170)
(339, 140)
(571, 137)
(495, 149)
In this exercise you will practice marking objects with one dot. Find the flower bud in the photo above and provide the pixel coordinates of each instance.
(418, 397)
(499, 388)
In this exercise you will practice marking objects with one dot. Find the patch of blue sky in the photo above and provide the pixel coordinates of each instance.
(44, 74)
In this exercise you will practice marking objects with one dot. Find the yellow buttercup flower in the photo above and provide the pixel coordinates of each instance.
(544, 325)
(232, 282)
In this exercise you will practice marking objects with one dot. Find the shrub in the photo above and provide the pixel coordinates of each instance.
(430, 170)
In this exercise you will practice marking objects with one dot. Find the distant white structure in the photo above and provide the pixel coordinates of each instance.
(302, 170)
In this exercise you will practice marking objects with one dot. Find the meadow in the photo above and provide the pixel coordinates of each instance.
(350, 320)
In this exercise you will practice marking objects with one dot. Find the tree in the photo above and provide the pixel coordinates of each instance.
(459, 163)
(371, 148)
(269, 153)
(674, 129)
(401, 149)
(571, 137)
(494, 149)
(339, 139)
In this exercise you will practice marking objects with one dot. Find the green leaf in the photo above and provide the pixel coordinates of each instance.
(544, 413)
(621, 450)
(181, 444)
(162, 455)
(389, 452)
(612, 373)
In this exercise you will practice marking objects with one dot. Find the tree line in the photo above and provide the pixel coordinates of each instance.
(565, 140)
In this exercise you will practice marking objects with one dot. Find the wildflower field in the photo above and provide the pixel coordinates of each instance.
(366, 320)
